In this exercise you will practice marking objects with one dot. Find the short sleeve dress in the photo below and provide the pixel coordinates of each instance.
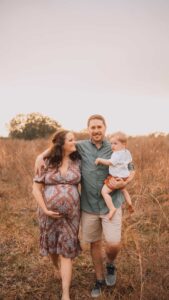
(60, 236)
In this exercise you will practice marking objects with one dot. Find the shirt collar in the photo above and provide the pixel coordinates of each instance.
(101, 145)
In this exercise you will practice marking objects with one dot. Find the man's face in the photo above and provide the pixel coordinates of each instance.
(96, 130)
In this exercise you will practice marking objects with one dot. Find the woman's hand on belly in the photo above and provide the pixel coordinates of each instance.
(53, 214)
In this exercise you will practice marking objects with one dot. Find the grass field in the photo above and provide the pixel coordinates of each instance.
(143, 262)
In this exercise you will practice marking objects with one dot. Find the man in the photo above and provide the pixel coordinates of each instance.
(94, 221)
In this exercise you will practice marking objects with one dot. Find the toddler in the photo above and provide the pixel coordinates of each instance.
(118, 168)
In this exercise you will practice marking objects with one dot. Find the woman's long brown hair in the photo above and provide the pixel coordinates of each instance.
(55, 155)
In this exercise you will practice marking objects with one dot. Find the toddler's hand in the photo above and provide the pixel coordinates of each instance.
(97, 161)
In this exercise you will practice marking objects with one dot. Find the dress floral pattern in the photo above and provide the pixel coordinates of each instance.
(60, 236)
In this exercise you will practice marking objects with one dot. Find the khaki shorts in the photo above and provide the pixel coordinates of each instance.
(94, 226)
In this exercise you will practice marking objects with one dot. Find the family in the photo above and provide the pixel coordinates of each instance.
(96, 205)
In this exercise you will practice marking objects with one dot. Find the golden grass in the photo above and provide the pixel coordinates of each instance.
(143, 260)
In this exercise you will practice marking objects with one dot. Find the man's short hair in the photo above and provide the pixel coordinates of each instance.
(96, 117)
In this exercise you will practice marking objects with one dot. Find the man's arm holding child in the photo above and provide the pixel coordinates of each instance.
(119, 182)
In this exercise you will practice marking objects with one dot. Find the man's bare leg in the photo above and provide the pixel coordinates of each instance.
(97, 258)
(111, 252)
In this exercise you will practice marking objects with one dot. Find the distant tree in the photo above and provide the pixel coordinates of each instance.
(82, 135)
(32, 126)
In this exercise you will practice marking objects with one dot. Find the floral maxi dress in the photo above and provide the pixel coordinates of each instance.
(60, 236)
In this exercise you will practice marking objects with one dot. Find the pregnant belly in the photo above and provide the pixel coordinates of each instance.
(62, 200)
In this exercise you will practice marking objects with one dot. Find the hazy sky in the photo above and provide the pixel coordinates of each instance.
(69, 59)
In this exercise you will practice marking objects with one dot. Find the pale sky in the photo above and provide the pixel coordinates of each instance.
(70, 59)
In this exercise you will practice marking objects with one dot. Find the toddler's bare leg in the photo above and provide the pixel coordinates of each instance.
(128, 199)
(105, 193)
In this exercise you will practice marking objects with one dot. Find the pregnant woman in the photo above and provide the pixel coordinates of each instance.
(56, 192)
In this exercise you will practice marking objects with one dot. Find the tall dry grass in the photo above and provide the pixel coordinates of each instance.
(142, 265)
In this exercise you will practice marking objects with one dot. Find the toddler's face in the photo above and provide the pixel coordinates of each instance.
(116, 145)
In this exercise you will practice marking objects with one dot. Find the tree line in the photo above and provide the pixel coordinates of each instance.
(32, 126)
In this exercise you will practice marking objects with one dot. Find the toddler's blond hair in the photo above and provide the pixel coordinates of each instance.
(121, 137)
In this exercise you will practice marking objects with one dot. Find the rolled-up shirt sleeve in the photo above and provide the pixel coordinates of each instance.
(131, 166)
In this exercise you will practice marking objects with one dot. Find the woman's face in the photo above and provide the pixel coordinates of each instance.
(70, 143)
